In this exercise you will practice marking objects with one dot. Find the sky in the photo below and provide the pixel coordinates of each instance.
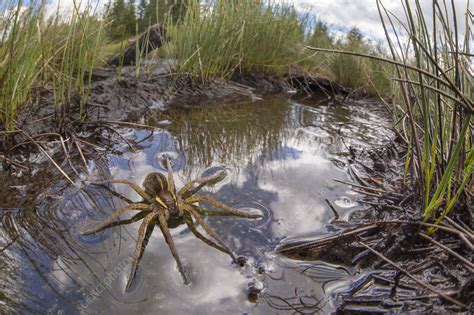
(341, 15)
(363, 14)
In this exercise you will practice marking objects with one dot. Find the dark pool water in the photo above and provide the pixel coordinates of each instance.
(281, 158)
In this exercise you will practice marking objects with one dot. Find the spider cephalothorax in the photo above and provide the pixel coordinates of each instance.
(156, 186)
(164, 206)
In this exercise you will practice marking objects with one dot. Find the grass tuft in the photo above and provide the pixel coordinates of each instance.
(43, 52)
(227, 36)
(434, 107)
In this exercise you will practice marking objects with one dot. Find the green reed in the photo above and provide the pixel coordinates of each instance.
(44, 52)
(434, 106)
(364, 74)
(229, 36)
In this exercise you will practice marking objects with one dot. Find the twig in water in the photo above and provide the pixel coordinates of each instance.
(129, 124)
(49, 157)
(408, 274)
(95, 146)
(68, 158)
(130, 146)
(13, 162)
(376, 204)
(291, 249)
(361, 191)
(78, 146)
(368, 188)
(469, 264)
(46, 134)
(356, 176)
(336, 215)
(466, 229)
(97, 105)
(9, 132)
(461, 235)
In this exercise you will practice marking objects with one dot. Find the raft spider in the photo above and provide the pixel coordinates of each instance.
(167, 207)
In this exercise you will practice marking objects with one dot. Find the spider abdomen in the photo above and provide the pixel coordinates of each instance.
(154, 183)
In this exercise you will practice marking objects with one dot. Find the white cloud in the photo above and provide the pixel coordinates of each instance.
(364, 15)
(340, 14)
(67, 6)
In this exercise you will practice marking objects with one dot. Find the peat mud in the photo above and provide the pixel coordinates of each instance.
(406, 268)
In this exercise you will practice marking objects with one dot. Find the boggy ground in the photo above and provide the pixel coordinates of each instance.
(411, 270)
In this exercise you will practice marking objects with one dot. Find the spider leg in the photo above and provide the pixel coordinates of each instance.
(111, 219)
(192, 227)
(116, 194)
(229, 210)
(171, 186)
(207, 213)
(201, 182)
(171, 245)
(180, 204)
(144, 233)
(133, 219)
(134, 186)
(209, 231)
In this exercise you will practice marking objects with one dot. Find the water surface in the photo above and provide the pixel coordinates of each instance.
(281, 158)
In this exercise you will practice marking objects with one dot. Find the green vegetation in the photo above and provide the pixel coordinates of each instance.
(41, 52)
(122, 18)
(229, 36)
(439, 105)
(436, 95)
(373, 77)
(128, 18)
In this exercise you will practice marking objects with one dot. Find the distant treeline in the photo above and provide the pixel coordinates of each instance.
(131, 16)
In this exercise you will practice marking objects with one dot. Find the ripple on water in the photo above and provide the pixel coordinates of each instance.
(256, 208)
(93, 239)
(116, 279)
(160, 160)
(345, 202)
(273, 167)
(223, 180)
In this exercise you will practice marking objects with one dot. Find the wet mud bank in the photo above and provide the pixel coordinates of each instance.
(340, 230)
(407, 267)
(114, 97)
(122, 101)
